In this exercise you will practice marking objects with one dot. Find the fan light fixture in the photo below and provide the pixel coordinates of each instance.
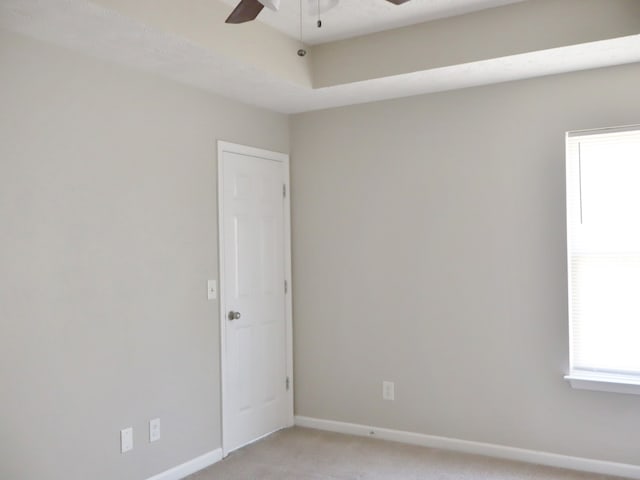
(271, 4)
(321, 6)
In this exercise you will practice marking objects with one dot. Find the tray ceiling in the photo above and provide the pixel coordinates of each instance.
(188, 42)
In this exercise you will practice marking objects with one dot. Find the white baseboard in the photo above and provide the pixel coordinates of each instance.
(192, 466)
(478, 448)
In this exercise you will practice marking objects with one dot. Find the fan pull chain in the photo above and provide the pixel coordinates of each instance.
(301, 52)
(319, 23)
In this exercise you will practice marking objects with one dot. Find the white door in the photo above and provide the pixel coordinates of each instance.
(255, 311)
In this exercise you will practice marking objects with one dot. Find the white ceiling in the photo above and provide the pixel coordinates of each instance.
(352, 18)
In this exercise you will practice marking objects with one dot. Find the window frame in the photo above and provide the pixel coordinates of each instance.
(582, 379)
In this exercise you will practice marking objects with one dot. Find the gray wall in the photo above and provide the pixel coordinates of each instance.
(429, 249)
(107, 238)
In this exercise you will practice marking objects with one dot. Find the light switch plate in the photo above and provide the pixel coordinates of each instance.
(212, 289)
(126, 440)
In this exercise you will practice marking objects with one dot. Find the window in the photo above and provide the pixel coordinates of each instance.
(603, 253)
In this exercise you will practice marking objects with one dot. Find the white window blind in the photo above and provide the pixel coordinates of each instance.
(603, 240)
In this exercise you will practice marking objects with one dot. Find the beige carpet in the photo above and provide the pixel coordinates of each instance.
(304, 454)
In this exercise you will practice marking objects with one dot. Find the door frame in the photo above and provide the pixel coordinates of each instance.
(283, 158)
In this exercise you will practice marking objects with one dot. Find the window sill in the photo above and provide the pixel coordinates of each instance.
(604, 383)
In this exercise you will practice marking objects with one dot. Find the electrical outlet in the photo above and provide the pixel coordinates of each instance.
(154, 430)
(126, 440)
(388, 391)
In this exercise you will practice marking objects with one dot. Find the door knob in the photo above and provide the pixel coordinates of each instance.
(233, 315)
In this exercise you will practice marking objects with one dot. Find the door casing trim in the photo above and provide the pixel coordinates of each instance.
(224, 146)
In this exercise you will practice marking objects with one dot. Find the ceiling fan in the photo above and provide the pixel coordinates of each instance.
(248, 10)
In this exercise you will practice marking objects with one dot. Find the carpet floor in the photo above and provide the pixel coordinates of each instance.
(304, 454)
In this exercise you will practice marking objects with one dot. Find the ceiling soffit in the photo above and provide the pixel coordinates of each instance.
(516, 29)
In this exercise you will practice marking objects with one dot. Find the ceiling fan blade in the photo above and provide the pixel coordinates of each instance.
(245, 11)
(398, 2)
